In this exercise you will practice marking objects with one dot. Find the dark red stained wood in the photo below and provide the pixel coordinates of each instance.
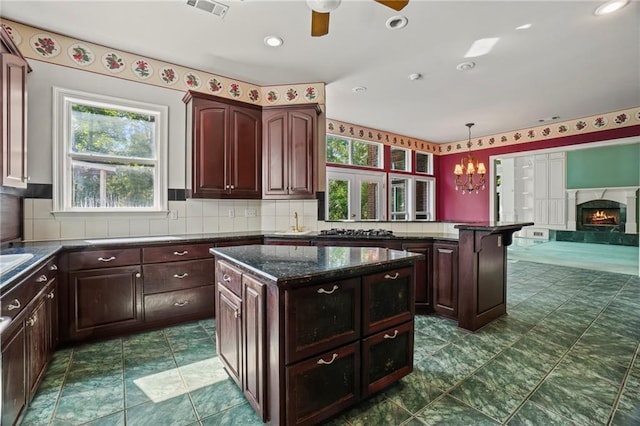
(423, 273)
(91, 259)
(445, 279)
(172, 253)
(254, 338)
(229, 331)
(10, 218)
(276, 159)
(388, 298)
(14, 380)
(188, 303)
(163, 277)
(302, 128)
(37, 341)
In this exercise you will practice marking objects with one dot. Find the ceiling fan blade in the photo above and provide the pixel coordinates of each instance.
(319, 23)
(394, 4)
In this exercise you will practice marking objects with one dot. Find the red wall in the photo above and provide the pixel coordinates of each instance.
(451, 205)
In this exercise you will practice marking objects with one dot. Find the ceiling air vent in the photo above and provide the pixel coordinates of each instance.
(213, 7)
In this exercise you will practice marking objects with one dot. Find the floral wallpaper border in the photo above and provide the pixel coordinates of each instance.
(595, 123)
(47, 46)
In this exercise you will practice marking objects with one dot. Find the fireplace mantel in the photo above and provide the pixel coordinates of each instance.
(624, 195)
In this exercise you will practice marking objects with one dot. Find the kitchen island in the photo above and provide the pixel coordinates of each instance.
(307, 332)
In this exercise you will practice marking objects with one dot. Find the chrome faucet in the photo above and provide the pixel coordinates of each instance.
(296, 228)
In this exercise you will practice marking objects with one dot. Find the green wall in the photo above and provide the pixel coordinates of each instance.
(608, 166)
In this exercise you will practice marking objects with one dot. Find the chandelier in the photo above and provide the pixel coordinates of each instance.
(469, 166)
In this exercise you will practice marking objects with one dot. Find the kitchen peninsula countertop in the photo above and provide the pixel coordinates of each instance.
(291, 265)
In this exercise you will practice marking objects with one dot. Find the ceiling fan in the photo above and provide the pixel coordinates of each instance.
(320, 13)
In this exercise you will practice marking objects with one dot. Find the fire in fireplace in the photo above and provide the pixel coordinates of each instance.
(601, 215)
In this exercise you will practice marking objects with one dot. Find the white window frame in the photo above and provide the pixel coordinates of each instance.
(407, 159)
(429, 163)
(355, 178)
(380, 164)
(409, 199)
(431, 199)
(63, 99)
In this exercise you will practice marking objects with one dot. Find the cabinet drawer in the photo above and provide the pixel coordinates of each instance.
(323, 385)
(321, 317)
(15, 300)
(177, 275)
(230, 277)
(179, 303)
(388, 298)
(176, 252)
(103, 258)
(386, 357)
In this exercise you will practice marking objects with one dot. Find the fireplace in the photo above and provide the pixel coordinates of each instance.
(601, 215)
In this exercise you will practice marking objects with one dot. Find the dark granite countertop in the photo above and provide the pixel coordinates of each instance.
(493, 226)
(399, 236)
(290, 265)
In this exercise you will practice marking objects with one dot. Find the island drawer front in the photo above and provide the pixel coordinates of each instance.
(16, 299)
(171, 304)
(177, 275)
(93, 259)
(321, 317)
(172, 253)
(388, 299)
(323, 385)
(229, 276)
(386, 358)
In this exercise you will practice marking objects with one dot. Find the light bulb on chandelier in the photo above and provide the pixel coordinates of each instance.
(469, 167)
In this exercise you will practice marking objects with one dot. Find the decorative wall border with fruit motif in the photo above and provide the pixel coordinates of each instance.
(340, 128)
(595, 123)
(47, 46)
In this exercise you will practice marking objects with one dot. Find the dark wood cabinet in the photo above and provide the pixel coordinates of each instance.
(229, 325)
(13, 113)
(254, 344)
(445, 279)
(387, 299)
(14, 372)
(424, 276)
(289, 135)
(224, 148)
(37, 336)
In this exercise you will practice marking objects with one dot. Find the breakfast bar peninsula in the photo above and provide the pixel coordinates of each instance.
(306, 332)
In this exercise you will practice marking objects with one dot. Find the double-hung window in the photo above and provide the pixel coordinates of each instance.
(355, 195)
(110, 154)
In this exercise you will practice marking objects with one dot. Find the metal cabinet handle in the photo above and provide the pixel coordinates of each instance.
(180, 253)
(232, 187)
(51, 295)
(227, 187)
(180, 304)
(236, 314)
(226, 278)
(391, 277)
(108, 259)
(323, 291)
(138, 275)
(395, 334)
(32, 321)
(14, 305)
(41, 279)
(323, 362)
(54, 267)
(180, 276)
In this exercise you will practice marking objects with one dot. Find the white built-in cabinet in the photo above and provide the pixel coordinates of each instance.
(533, 190)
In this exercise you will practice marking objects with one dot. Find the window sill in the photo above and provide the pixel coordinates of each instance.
(162, 214)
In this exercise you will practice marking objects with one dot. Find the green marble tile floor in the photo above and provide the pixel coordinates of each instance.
(567, 353)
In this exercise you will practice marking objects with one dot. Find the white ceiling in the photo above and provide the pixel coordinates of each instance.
(570, 63)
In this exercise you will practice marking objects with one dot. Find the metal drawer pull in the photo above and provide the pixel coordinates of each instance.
(108, 259)
(51, 295)
(180, 304)
(14, 305)
(226, 278)
(54, 267)
(32, 321)
(180, 276)
(323, 362)
(180, 253)
(395, 334)
(323, 291)
(391, 277)
(42, 279)
(236, 314)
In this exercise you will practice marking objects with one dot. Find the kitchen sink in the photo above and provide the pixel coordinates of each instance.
(11, 261)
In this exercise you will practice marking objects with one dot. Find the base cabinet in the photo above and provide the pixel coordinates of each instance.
(424, 276)
(445, 279)
(299, 354)
(14, 372)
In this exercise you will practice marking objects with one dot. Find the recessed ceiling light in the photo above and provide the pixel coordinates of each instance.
(524, 27)
(481, 47)
(466, 66)
(415, 76)
(359, 89)
(397, 22)
(610, 7)
(273, 41)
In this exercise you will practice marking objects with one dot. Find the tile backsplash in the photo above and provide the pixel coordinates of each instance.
(196, 216)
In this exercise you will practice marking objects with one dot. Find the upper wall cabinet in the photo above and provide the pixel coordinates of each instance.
(224, 148)
(289, 148)
(13, 110)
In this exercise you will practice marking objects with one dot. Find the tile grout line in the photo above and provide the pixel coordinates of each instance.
(64, 381)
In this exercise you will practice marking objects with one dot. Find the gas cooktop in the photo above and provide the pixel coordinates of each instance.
(357, 232)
